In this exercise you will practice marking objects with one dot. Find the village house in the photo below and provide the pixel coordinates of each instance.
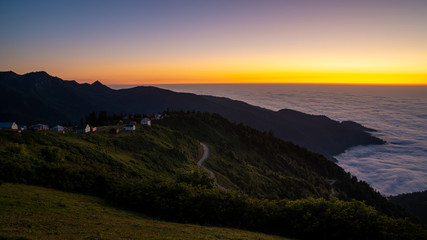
(83, 128)
(58, 128)
(132, 122)
(130, 127)
(39, 127)
(8, 125)
(146, 122)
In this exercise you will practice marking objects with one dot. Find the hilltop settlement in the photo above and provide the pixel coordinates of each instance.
(125, 124)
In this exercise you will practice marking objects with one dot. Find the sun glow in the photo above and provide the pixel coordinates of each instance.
(334, 78)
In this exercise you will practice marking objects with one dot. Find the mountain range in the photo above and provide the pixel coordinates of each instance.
(39, 97)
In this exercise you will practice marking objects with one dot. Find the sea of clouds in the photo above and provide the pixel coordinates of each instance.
(398, 113)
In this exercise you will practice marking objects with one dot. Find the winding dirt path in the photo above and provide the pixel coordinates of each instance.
(202, 160)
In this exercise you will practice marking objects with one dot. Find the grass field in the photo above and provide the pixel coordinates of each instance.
(30, 212)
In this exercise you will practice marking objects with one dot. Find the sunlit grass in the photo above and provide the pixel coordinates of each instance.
(31, 212)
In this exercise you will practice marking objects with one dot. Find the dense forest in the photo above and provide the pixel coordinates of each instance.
(415, 203)
(264, 166)
(273, 186)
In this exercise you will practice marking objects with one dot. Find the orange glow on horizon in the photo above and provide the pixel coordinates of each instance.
(264, 78)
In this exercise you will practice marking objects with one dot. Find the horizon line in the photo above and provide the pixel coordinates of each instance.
(255, 79)
(268, 83)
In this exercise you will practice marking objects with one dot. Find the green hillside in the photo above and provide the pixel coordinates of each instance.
(153, 171)
(263, 166)
(29, 212)
(90, 162)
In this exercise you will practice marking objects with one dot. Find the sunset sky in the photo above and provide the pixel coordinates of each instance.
(218, 41)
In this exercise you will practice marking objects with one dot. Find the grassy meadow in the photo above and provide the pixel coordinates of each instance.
(30, 212)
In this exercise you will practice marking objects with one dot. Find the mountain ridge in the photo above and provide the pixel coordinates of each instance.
(39, 97)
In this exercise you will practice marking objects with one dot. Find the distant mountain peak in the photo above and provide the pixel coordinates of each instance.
(97, 83)
(8, 74)
(39, 73)
(41, 76)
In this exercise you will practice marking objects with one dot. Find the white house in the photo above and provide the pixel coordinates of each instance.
(8, 125)
(130, 127)
(146, 121)
(58, 128)
(83, 128)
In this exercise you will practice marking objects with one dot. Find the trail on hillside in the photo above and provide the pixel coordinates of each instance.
(202, 160)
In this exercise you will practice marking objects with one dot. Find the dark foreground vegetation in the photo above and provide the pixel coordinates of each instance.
(153, 171)
(415, 203)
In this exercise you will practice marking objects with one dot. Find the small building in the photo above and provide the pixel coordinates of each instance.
(39, 127)
(132, 122)
(83, 128)
(146, 122)
(130, 127)
(93, 129)
(58, 128)
(9, 125)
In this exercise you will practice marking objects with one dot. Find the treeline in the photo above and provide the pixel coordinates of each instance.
(414, 203)
(153, 172)
(306, 218)
(103, 118)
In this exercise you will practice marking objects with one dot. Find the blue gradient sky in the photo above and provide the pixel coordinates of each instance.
(121, 42)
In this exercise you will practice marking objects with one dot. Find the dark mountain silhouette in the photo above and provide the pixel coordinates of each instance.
(39, 97)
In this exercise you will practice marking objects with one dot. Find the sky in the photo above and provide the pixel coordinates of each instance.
(217, 41)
